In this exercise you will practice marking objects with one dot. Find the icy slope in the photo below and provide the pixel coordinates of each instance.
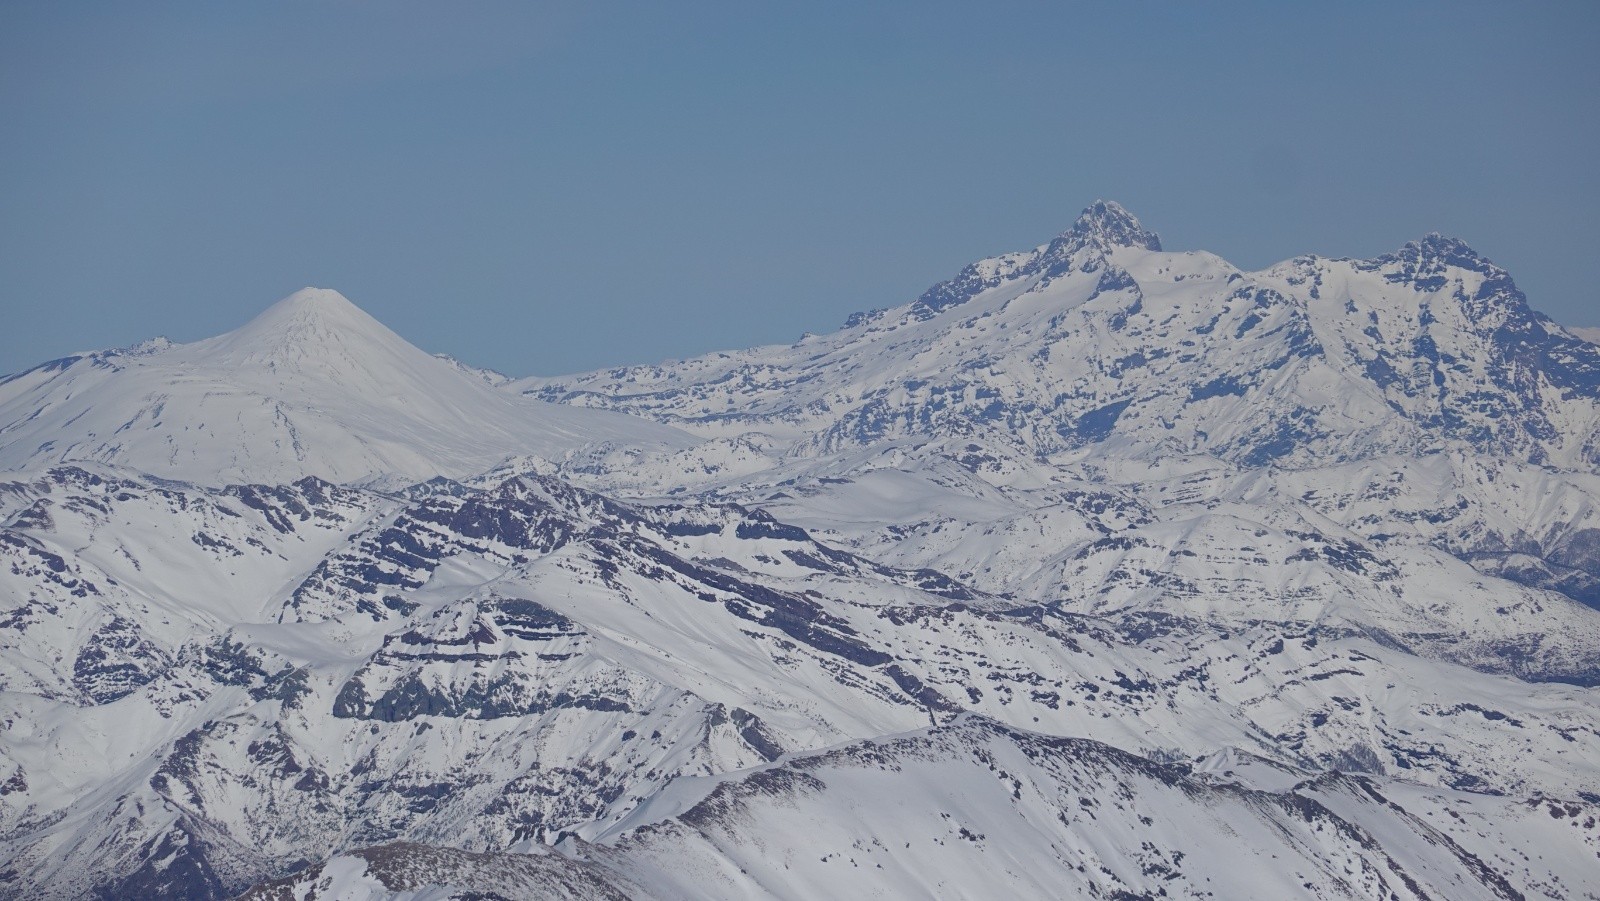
(311, 387)
(975, 809)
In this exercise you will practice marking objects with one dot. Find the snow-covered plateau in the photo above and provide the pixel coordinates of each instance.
(1097, 571)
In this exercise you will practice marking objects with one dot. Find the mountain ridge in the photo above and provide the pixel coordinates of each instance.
(1307, 368)
(1098, 570)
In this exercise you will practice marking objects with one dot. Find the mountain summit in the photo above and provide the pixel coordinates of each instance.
(318, 333)
(311, 386)
(1107, 224)
(1099, 336)
(1101, 230)
(310, 311)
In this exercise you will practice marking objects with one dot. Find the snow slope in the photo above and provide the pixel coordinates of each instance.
(493, 667)
(975, 809)
(1096, 571)
(311, 387)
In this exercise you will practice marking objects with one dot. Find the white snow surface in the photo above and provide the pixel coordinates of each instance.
(311, 387)
(1098, 571)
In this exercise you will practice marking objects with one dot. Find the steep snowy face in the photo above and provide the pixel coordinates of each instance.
(1452, 346)
(1102, 228)
(1101, 339)
(311, 387)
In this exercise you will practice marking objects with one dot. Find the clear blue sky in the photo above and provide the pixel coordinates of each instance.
(543, 188)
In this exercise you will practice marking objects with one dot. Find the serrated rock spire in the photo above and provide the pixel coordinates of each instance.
(1106, 223)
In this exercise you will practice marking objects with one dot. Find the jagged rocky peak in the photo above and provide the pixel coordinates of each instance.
(1104, 226)
(1108, 225)
(1434, 252)
(1445, 246)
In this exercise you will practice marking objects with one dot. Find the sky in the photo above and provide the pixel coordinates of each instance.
(544, 188)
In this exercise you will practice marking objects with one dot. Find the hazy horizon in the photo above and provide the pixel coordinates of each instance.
(561, 188)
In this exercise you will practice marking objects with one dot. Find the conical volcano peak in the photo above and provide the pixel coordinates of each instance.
(313, 305)
(315, 329)
(1105, 222)
(315, 297)
(310, 310)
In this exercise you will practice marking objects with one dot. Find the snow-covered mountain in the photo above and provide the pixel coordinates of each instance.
(1004, 812)
(1101, 338)
(1097, 571)
(311, 387)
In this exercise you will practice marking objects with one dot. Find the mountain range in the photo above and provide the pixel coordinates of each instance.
(1096, 571)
